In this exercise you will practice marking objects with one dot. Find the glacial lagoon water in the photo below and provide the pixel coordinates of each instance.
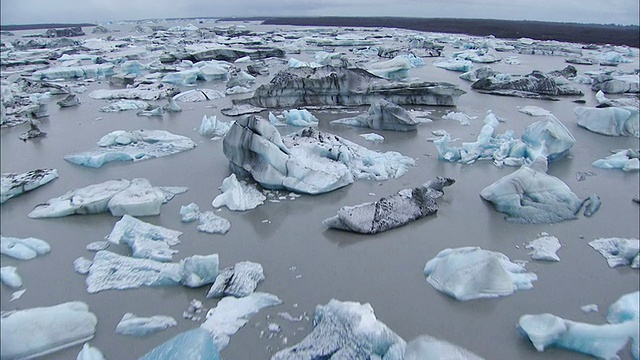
(305, 264)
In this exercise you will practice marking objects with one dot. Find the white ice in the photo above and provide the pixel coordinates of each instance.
(133, 325)
(544, 248)
(146, 240)
(372, 137)
(211, 127)
(612, 121)
(23, 249)
(454, 64)
(463, 118)
(299, 117)
(239, 280)
(123, 105)
(625, 160)
(189, 213)
(89, 352)
(193, 344)
(12, 184)
(238, 195)
(425, 347)
(618, 251)
(471, 273)
(213, 224)
(10, 277)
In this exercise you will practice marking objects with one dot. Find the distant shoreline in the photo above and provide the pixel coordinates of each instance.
(41, 26)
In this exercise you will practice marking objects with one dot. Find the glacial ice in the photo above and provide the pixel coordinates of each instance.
(239, 280)
(345, 330)
(238, 195)
(23, 249)
(405, 206)
(212, 128)
(625, 160)
(454, 64)
(89, 352)
(213, 224)
(618, 251)
(299, 117)
(612, 121)
(372, 137)
(146, 241)
(394, 69)
(36, 332)
(93, 71)
(601, 341)
(530, 196)
(189, 213)
(10, 277)
(133, 325)
(146, 93)
(233, 313)
(383, 115)
(113, 271)
(469, 273)
(544, 248)
(194, 344)
(461, 117)
(425, 347)
(123, 105)
(12, 184)
(135, 145)
(197, 95)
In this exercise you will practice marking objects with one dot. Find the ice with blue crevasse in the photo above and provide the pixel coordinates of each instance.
(239, 280)
(544, 248)
(426, 347)
(211, 223)
(469, 273)
(238, 195)
(530, 196)
(89, 352)
(189, 213)
(211, 127)
(135, 145)
(136, 197)
(188, 345)
(611, 121)
(10, 277)
(112, 271)
(137, 326)
(299, 117)
(124, 105)
(146, 240)
(373, 137)
(233, 313)
(461, 117)
(12, 184)
(23, 249)
(36, 332)
(547, 137)
(601, 341)
(383, 115)
(625, 160)
(618, 251)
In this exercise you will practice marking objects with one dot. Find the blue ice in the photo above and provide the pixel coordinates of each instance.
(12, 184)
(193, 344)
(238, 195)
(212, 128)
(618, 251)
(394, 69)
(612, 121)
(299, 117)
(23, 249)
(471, 273)
(454, 64)
(132, 325)
(625, 160)
(213, 224)
(185, 77)
(146, 240)
(123, 105)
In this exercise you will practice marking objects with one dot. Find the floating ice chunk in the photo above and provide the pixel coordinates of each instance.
(390, 212)
(612, 121)
(454, 64)
(93, 71)
(140, 93)
(529, 195)
(394, 69)
(35, 332)
(603, 101)
(589, 308)
(10, 277)
(97, 245)
(344, 330)
(472, 273)
(89, 352)
(82, 265)
(274, 328)
(238, 196)
(238, 90)
(12, 184)
(189, 213)
(197, 95)
(618, 251)
(372, 137)
(113, 271)
(625, 160)
(295, 63)
(626, 308)
(157, 111)
(192, 344)
(479, 73)
(383, 115)
(139, 199)
(186, 77)
(463, 118)
(482, 55)
(23, 249)
(133, 67)
(240, 78)
(534, 110)
(123, 105)
(544, 248)
(239, 280)
(213, 224)
(425, 347)
(233, 313)
(142, 326)
(211, 127)
(136, 145)
(298, 117)
(145, 240)
(17, 294)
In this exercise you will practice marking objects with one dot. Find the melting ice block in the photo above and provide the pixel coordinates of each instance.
(35, 332)
(89, 352)
(454, 64)
(145, 240)
(390, 212)
(529, 195)
(612, 121)
(10, 277)
(618, 251)
(625, 160)
(238, 280)
(394, 69)
(194, 344)
(23, 249)
(211, 127)
(544, 248)
(425, 347)
(136, 145)
(12, 184)
(142, 326)
(233, 313)
(299, 117)
(237, 195)
(345, 330)
(471, 273)
(213, 224)
(383, 115)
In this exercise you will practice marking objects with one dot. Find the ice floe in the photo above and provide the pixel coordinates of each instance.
(625, 160)
(618, 251)
(191, 344)
(426, 347)
(239, 280)
(238, 195)
(373, 137)
(213, 224)
(12, 184)
(463, 118)
(211, 127)
(383, 115)
(146, 240)
(23, 249)
(612, 121)
(133, 325)
(544, 248)
(10, 277)
(189, 213)
(89, 352)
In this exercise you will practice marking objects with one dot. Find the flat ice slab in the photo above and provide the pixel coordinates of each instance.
(238, 280)
(191, 344)
(23, 249)
(133, 325)
(12, 184)
(146, 240)
(618, 251)
(544, 248)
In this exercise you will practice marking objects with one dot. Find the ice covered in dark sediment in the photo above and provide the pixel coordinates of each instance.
(13, 184)
(383, 115)
(239, 280)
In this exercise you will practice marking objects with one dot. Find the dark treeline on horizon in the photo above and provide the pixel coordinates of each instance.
(41, 26)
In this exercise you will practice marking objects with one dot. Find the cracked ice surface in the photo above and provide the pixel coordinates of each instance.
(37, 331)
(142, 326)
(145, 240)
(239, 280)
(233, 313)
(618, 251)
(344, 330)
(238, 195)
(213, 224)
(191, 344)
(136, 145)
(23, 249)
(471, 273)
(12, 184)
(425, 347)
(544, 248)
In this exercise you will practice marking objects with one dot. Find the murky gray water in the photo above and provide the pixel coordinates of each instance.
(305, 264)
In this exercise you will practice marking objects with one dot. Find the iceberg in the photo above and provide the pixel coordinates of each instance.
(112, 271)
(185, 77)
(12, 184)
(239, 280)
(425, 347)
(469, 273)
(135, 145)
(69, 101)
(390, 212)
(534, 110)
(189, 213)
(211, 127)
(82, 265)
(233, 313)
(147, 93)
(139, 199)
(530, 196)
(132, 325)
(618, 251)
(373, 137)
(146, 241)
(612, 121)
(463, 118)
(626, 308)
(454, 64)
(89, 352)
(36, 332)
(383, 115)
(123, 105)
(237, 195)
(197, 95)
(544, 248)
(193, 344)
(345, 330)
(10, 277)
(625, 160)
(23, 249)
(535, 84)
(213, 224)
(479, 73)
(394, 69)
(298, 117)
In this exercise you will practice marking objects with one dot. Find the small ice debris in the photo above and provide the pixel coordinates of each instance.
(10, 277)
(372, 137)
(239, 280)
(299, 117)
(194, 311)
(189, 213)
(17, 294)
(533, 110)
(132, 325)
(191, 344)
(146, 240)
(12, 184)
(98, 245)
(544, 248)
(238, 195)
(89, 352)
(266, 221)
(582, 175)
(211, 127)
(213, 224)
(82, 265)
(274, 328)
(23, 249)
(590, 308)
(618, 251)
(289, 317)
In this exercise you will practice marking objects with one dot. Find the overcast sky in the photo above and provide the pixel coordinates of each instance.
(623, 12)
